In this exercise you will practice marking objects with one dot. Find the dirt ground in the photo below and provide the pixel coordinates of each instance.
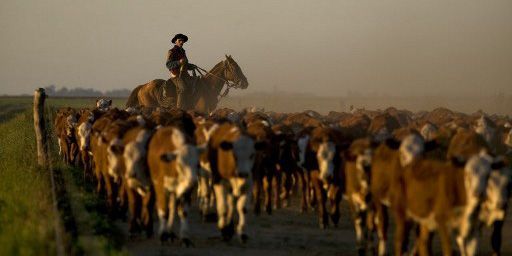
(285, 232)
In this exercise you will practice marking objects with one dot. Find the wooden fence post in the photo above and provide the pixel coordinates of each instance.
(40, 127)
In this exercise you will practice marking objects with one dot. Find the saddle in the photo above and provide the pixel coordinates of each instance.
(169, 89)
(169, 93)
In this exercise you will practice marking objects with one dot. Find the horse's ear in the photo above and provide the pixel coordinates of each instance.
(226, 56)
(229, 56)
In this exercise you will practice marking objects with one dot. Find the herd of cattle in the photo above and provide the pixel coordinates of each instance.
(432, 171)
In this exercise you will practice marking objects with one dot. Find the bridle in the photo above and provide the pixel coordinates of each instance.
(229, 84)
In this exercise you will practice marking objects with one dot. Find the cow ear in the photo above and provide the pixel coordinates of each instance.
(225, 145)
(374, 144)
(117, 149)
(431, 145)
(260, 145)
(458, 161)
(168, 157)
(349, 157)
(496, 165)
(392, 143)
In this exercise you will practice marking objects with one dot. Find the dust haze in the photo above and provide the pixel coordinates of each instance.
(382, 49)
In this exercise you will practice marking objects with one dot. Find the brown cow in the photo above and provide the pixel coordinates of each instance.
(173, 161)
(65, 124)
(287, 163)
(355, 125)
(113, 169)
(466, 143)
(99, 147)
(83, 135)
(323, 162)
(434, 197)
(508, 142)
(136, 179)
(494, 206)
(231, 154)
(385, 173)
(265, 163)
(205, 193)
(357, 169)
(382, 126)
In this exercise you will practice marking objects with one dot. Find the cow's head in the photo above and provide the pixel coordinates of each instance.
(84, 135)
(204, 132)
(302, 144)
(186, 159)
(360, 154)
(508, 139)
(325, 157)
(411, 148)
(115, 158)
(71, 122)
(485, 127)
(236, 156)
(428, 131)
(135, 160)
(103, 104)
(382, 134)
(476, 173)
(240, 155)
(287, 148)
(496, 195)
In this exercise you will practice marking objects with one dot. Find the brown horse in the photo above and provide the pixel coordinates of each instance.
(207, 89)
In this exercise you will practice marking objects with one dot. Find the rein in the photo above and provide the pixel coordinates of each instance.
(228, 83)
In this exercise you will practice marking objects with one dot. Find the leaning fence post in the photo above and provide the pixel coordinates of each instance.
(40, 127)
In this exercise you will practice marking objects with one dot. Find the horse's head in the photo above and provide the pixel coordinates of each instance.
(233, 73)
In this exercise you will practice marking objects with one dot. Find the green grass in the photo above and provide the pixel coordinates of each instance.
(26, 213)
(95, 234)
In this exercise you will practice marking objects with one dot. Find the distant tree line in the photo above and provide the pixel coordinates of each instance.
(52, 90)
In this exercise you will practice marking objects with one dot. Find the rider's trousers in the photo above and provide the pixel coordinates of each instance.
(182, 91)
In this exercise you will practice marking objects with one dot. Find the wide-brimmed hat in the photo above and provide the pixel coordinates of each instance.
(179, 36)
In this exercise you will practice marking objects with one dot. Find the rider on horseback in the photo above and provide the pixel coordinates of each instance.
(177, 63)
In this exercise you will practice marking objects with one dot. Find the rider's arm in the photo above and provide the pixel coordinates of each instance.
(170, 63)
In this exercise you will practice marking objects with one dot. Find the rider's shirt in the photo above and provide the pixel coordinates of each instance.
(173, 60)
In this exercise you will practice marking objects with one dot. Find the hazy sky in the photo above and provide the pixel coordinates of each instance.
(322, 47)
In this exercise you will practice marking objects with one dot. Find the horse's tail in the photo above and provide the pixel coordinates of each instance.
(133, 99)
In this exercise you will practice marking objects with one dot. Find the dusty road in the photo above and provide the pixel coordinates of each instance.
(285, 232)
